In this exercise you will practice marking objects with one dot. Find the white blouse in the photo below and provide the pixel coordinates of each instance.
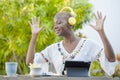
(86, 50)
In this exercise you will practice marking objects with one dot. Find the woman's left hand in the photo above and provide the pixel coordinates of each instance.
(99, 18)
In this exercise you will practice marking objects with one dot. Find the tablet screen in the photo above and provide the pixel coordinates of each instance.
(77, 68)
(77, 64)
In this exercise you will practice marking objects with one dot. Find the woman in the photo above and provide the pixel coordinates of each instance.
(71, 47)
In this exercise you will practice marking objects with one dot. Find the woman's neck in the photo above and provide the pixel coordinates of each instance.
(70, 39)
(70, 43)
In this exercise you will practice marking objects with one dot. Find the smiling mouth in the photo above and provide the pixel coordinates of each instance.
(57, 31)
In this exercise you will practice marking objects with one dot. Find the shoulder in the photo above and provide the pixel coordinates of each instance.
(92, 43)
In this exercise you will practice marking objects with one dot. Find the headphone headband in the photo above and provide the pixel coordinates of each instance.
(68, 9)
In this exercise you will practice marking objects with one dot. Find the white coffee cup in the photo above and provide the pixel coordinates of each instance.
(36, 71)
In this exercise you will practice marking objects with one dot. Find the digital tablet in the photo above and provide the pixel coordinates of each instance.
(77, 68)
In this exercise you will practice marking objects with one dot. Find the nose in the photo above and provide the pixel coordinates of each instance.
(55, 26)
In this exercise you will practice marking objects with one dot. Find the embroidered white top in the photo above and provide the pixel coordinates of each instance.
(89, 51)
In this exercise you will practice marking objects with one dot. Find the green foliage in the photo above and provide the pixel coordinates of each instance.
(15, 32)
(83, 10)
(96, 69)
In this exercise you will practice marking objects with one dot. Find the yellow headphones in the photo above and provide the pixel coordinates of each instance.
(72, 19)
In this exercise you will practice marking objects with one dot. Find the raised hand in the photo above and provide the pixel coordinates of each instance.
(99, 18)
(34, 24)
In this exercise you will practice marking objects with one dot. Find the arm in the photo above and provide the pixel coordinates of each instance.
(31, 49)
(99, 28)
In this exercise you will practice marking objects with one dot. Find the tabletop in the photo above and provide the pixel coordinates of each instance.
(28, 77)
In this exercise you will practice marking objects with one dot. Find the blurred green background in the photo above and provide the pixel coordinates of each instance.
(15, 31)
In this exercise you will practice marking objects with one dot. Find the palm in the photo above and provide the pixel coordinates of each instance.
(99, 22)
(35, 26)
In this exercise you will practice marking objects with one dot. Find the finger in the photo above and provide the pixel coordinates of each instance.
(42, 28)
(95, 16)
(104, 18)
(38, 20)
(98, 14)
(34, 20)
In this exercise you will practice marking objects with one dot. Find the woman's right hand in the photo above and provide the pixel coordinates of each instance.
(34, 24)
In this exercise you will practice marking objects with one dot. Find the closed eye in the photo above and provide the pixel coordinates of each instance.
(59, 22)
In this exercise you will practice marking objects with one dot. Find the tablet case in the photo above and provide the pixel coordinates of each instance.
(77, 68)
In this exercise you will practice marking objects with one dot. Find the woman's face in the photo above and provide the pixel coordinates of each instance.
(61, 25)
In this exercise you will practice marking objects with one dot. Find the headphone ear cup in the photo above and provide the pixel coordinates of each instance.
(72, 21)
